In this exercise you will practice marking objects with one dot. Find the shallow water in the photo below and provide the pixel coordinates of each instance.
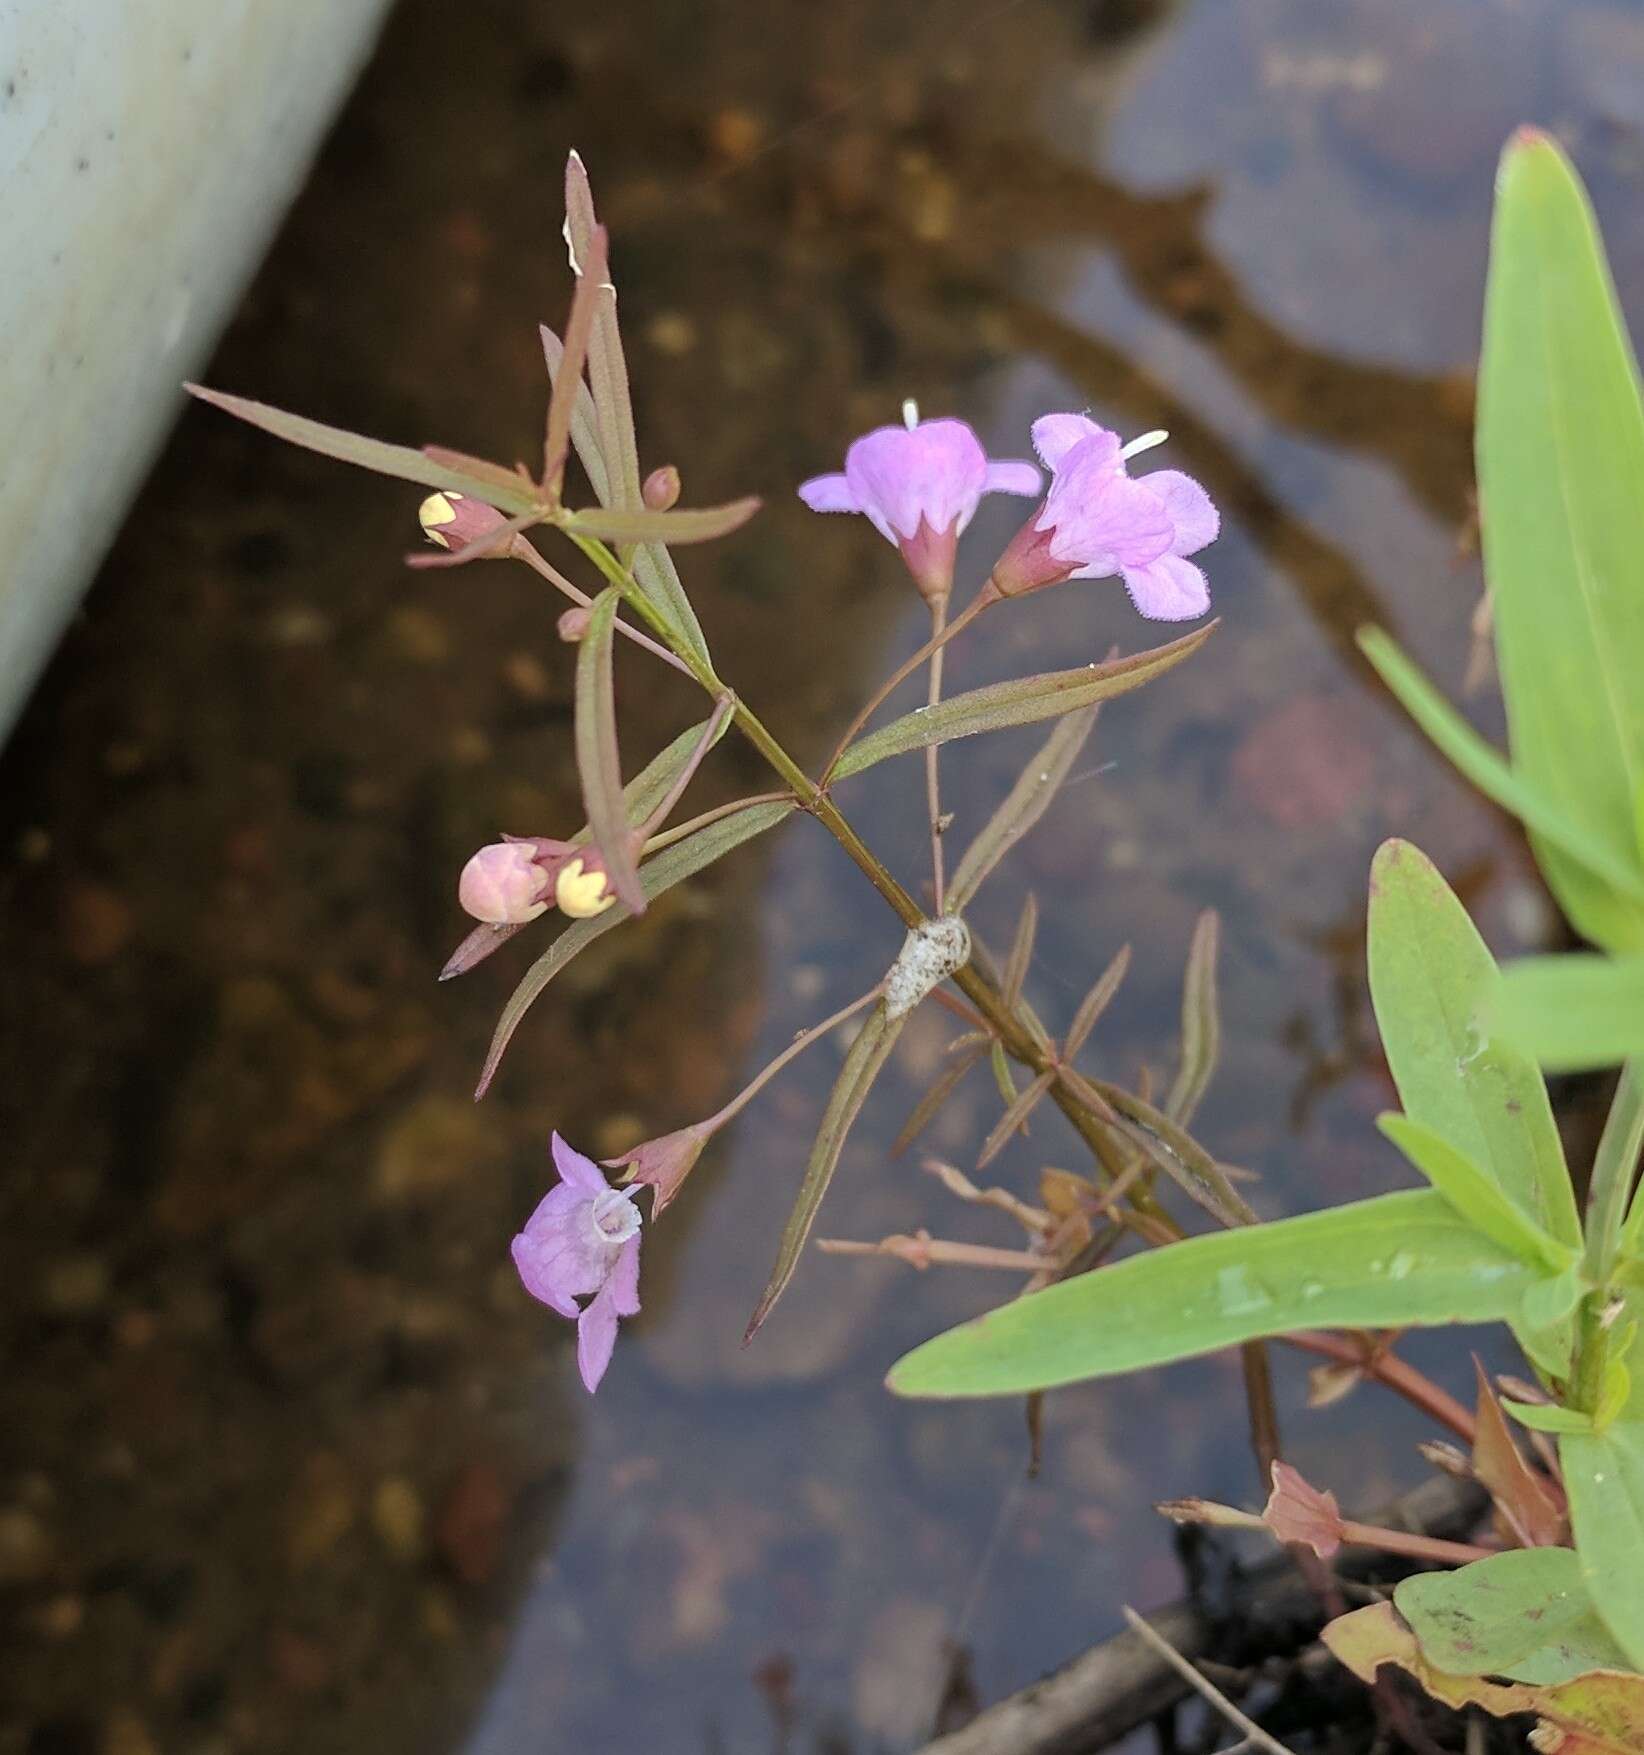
(286, 1459)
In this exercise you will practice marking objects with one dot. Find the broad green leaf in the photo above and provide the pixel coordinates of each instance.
(1549, 1302)
(1549, 1417)
(1398, 1260)
(671, 866)
(598, 762)
(1474, 1195)
(866, 1057)
(700, 525)
(1604, 884)
(1026, 802)
(1604, 1477)
(1572, 1012)
(399, 461)
(1429, 973)
(1524, 1614)
(1201, 1021)
(1024, 701)
(1560, 442)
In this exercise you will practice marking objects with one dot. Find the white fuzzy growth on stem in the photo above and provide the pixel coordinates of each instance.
(931, 953)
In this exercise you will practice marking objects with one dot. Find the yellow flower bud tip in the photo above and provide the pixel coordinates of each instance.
(436, 510)
(580, 893)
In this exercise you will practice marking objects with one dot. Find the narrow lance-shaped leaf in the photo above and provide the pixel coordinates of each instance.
(598, 762)
(1179, 1155)
(1604, 1477)
(1096, 1002)
(556, 439)
(1021, 949)
(1572, 1012)
(657, 576)
(1430, 975)
(584, 426)
(1614, 1165)
(926, 1109)
(703, 524)
(648, 788)
(1024, 701)
(1398, 1260)
(507, 492)
(1560, 439)
(1473, 1194)
(671, 866)
(1014, 1117)
(1201, 1021)
(1613, 887)
(1026, 802)
(867, 1055)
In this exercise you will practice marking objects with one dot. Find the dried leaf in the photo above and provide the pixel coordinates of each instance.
(928, 1105)
(1298, 1512)
(701, 525)
(1014, 1117)
(1024, 701)
(867, 1055)
(1527, 1502)
(671, 866)
(506, 491)
(598, 761)
(1027, 801)
(1201, 1021)
(1096, 1002)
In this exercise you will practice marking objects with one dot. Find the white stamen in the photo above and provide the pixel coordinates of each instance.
(1145, 443)
(910, 413)
(929, 955)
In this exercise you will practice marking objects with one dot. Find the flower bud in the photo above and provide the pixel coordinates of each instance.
(661, 490)
(573, 624)
(503, 885)
(582, 888)
(454, 521)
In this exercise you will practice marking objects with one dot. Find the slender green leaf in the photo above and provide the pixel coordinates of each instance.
(1572, 1012)
(863, 1063)
(584, 422)
(1027, 801)
(1560, 462)
(1024, 701)
(1604, 885)
(598, 761)
(1395, 1261)
(657, 576)
(399, 461)
(671, 866)
(1525, 1614)
(1201, 1021)
(1473, 1194)
(652, 783)
(1429, 973)
(700, 525)
(1095, 1003)
(1604, 1477)
(1003, 1077)
(1549, 1417)
(1614, 1165)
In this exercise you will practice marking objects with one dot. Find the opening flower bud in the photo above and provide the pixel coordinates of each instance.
(503, 885)
(661, 490)
(454, 521)
(582, 889)
(573, 624)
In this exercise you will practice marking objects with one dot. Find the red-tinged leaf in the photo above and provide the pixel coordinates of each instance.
(478, 945)
(515, 479)
(607, 368)
(1601, 1713)
(1027, 801)
(399, 461)
(598, 761)
(556, 440)
(1201, 1021)
(1096, 1002)
(867, 1055)
(1024, 701)
(1526, 1501)
(671, 866)
(584, 427)
(1298, 1512)
(1179, 1155)
(1014, 1117)
(700, 525)
(928, 1105)
(1021, 950)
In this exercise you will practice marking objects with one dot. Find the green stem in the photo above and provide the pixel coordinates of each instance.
(1592, 1354)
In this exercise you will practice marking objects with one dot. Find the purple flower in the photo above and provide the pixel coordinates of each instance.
(583, 1238)
(1096, 521)
(919, 484)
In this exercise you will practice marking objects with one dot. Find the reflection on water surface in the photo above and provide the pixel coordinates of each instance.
(287, 1460)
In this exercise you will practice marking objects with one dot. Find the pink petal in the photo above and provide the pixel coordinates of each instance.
(596, 1338)
(624, 1280)
(934, 472)
(828, 493)
(1054, 435)
(578, 1171)
(1196, 519)
(1168, 589)
(538, 1279)
(1103, 521)
(1009, 475)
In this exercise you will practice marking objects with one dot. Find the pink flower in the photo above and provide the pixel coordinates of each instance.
(1096, 521)
(919, 484)
(454, 521)
(503, 885)
(583, 1238)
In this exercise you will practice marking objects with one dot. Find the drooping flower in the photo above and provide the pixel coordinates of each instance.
(457, 522)
(517, 878)
(1096, 521)
(583, 1242)
(664, 1162)
(919, 484)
